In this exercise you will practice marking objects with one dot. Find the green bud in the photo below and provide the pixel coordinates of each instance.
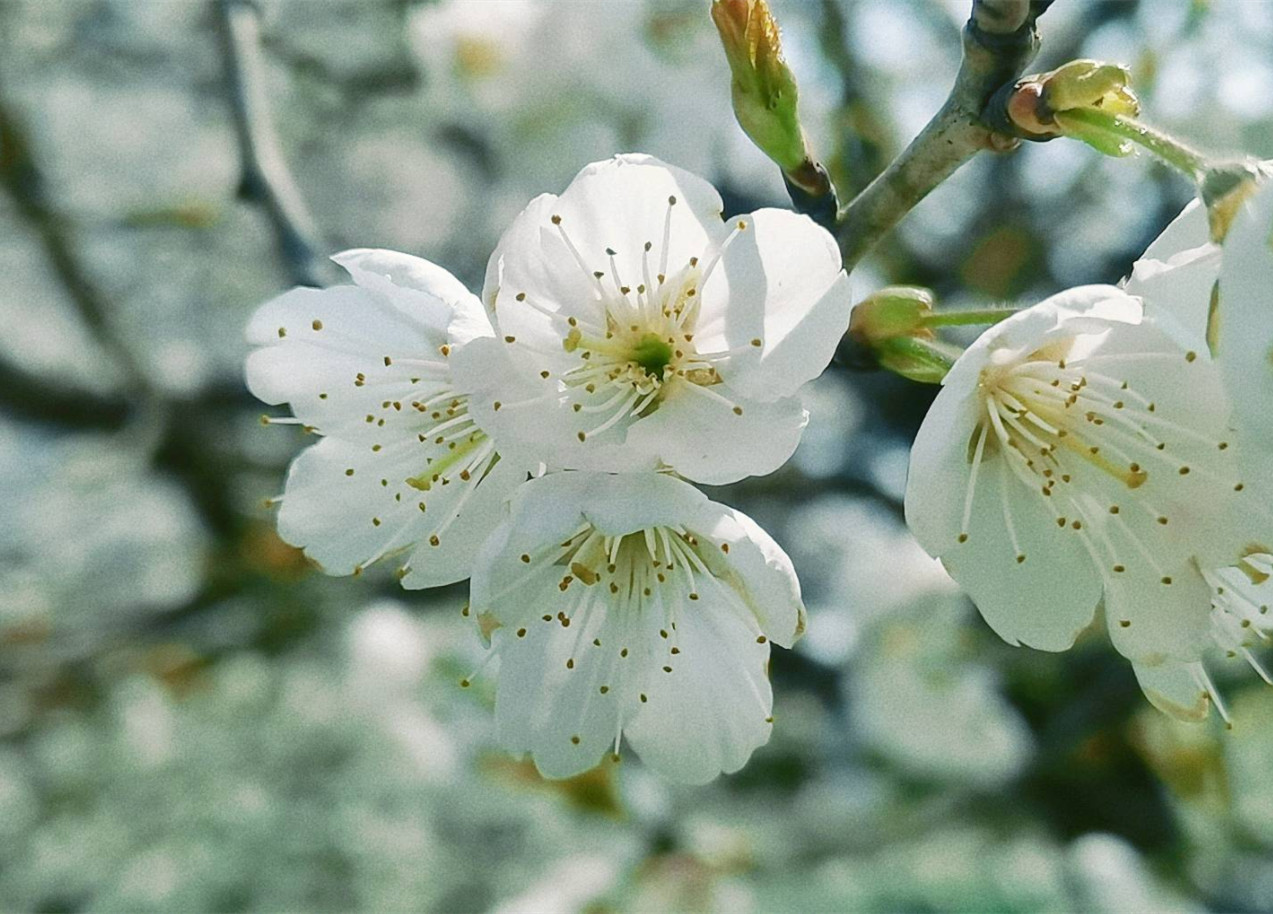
(1089, 84)
(1055, 104)
(763, 86)
(925, 361)
(891, 312)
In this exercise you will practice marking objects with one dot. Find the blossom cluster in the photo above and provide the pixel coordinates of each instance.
(1110, 447)
(542, 440)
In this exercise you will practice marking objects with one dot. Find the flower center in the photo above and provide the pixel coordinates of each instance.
(1084, 441)
(635, 338)
(653, 354)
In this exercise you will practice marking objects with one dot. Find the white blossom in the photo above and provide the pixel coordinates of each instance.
(631, 605)
(635, 328)
(402, 467)
(1075, 453)
(1216, 297)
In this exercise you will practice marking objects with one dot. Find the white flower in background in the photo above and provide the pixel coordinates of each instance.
(529, 79)
(635, 328)
(631, 605)
(1077, 451)
(402, 468)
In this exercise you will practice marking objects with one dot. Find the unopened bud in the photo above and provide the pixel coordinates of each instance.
(1090, 84)
(763, 86)
(926, 362)
(1051, 104)
(893, 311)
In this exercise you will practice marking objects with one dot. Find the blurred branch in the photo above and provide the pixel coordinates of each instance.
(266, 179)
(28, 396)
(999, 40)
(24, 183)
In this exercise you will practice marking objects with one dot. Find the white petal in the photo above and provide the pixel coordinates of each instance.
(627, 503)
(555, 712)
(1173, 687)
(714, 708)
(780, 282)
(1152, 623)
(1245, 338)
(1177, 275)
(346, 520)
(459, 544)
(1189, 230)
(527, 413)
(1192, 480)
(417, 284)
(325, 351)
(1053, 318)
(533, 260)
(1043, 601)
(619, 204)
(757, 569)
(705, 440)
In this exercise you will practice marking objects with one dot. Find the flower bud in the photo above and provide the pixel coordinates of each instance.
(891, 312)
(915, 359)
(763, 86)
(1090, 84)
(891, 323)
(1050, 104)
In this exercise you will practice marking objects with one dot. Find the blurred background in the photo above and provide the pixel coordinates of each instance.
(191, 719)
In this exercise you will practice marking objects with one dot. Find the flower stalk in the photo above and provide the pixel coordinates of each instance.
(1101, 129)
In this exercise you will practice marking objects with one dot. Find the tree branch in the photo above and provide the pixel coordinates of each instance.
(999, 41)
(24, 183)
(266, 179)
(27, 396)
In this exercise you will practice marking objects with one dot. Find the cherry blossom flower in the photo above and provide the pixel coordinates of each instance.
(1078, 452)
(631, 605)
(1215, 296)
(402, 467)
(635, 328)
